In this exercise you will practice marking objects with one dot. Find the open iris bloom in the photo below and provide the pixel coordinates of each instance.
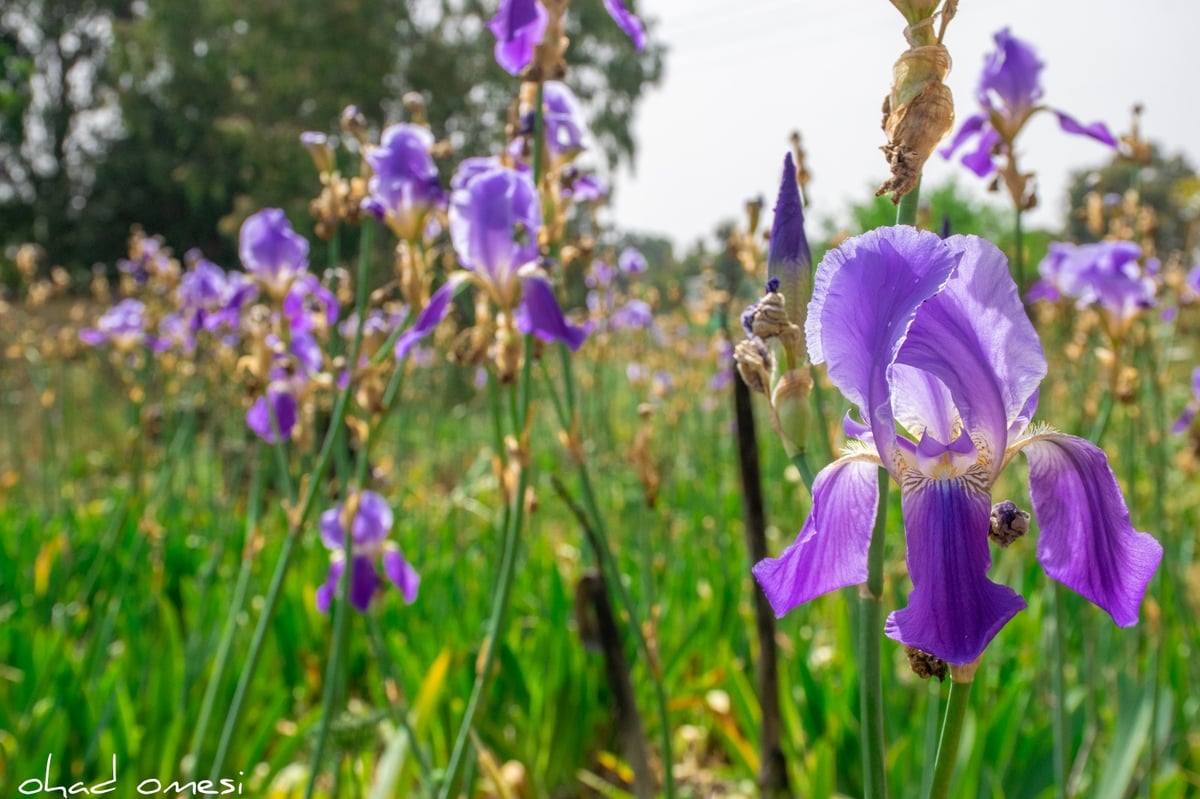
(405, 182)
(1009, 93)
(1107, 274)
(368, 534)
(494, 224)
(930, 334)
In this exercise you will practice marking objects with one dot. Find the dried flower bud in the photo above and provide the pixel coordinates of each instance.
(925, 665)
(753, 359)
(1008, 523)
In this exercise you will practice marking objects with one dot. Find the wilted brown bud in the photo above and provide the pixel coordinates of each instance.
(1008, 523)
(753, 360)
(925, 665)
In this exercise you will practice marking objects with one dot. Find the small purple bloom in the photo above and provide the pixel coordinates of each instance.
(273, 415)
(582, 188)
(1189, 413)
(563, 118)
(272, 251)
(948, 355)
(518, 27)
(494, 224)
(308, 304)
(1009, 93)
(1107, 274)
(406, 181)
(633, 315)
(632, 262)
(369, 545)
(123, 325)
(600, 275)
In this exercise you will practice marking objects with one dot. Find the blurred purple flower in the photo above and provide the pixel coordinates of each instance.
(272, 252)
(369, 545)
(1009, 93)
(627, 21)
(1189, 413)
(309, 304)
(633, 315)
(273, 415)
(406, 181)
(600, 275)
(632, 262)
(565, 125)
(123, 325)
(948, 354)
(1107, 274)
(581, 187)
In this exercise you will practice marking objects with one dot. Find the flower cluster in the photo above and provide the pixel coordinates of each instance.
(1107, 274)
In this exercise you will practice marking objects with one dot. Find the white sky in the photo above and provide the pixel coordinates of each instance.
(742, 74)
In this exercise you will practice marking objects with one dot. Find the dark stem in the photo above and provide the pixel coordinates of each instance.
(772, 773)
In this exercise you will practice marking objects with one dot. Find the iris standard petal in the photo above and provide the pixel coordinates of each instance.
(1097, 130)
(270, 249)
(518, 27)
(401, 573)
(494, 223)
(979, 160)
(1086, 541)
(1012, 74)
(330, 525)
(373, 521)
(831, 550)
(539, 314)
(975, 336)
(627, 22)
(954, 610)
(865, 295)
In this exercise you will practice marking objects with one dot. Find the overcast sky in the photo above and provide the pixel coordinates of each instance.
(741, 74)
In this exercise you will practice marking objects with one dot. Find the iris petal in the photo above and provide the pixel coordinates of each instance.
(975, 337)
(627, 21)
(954, 610)
(433, 313)
(540, 315)
(1087, 542)
(401, 573)
(831, 550)
(865, 295)
(1097, 130)
(518, 26)
(364, 582)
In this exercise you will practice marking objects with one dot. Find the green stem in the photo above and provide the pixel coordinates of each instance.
(800, 461)
(495, 627)
(870, 638)
(1019, 250)
(1059, 719)
(329, 698)
(613, 573)
(906, 211)
(225, 646)
(297, 518)
(947, 756)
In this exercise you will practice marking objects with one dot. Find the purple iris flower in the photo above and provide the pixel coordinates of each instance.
(1009, 93)
(580, 187)
(495, 217)
(519, 26)
(563, 118)
(309, 304)
(273, 415)
(406, 181)
(633, 315)
(1108, 274)
(948, 353)
(123, 325)
(272, 251)
(1189, 413)
(368, 534)
(632, 262)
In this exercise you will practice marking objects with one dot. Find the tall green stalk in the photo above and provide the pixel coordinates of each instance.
(947, 756)
(870, 626)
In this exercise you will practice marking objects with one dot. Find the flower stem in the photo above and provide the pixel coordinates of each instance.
(956, 713)
(1019, 249)
(870, 670)
(495, 627)
(1059, 719)
(906, 211)
(225, 646)
(608, 564)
